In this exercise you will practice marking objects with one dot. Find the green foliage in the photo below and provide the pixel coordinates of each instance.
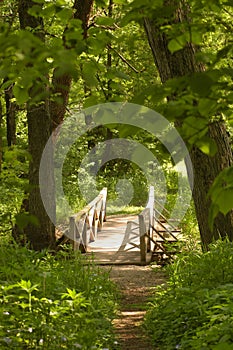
(13, 185)
(195, 309)
(204, 95)
(53, 302)
(221, 194)
(115, 63)
(94, 174)
(23, 219)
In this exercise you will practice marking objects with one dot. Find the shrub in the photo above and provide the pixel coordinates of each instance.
(51, 302)
(195, 309)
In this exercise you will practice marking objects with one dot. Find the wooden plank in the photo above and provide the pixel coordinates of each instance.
(129, 232)
(111, 258)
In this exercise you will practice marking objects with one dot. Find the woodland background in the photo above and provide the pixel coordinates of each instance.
(57, 57)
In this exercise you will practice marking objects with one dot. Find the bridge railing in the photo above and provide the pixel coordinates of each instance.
(84, 225)
(145, 227)
(155, 230)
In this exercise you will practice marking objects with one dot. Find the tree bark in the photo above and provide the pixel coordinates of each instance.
(40, 236)
(43, 235)
(42, 120)
(82, 12)
(178, 64)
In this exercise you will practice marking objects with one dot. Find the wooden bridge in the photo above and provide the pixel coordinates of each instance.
(123, 239)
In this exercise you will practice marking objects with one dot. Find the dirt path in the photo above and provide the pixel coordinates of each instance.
(137, 284)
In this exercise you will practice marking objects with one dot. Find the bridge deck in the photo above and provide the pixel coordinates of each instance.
(108, 249)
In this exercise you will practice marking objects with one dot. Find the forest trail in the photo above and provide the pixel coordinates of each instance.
(136, 284)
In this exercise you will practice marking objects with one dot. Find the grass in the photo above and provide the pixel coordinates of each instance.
(124, 210)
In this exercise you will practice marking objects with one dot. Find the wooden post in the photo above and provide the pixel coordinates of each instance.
(150, 206)
(85, 235)
(142, 232)
(91, 215)
(98, 207)
(104, 202)
(72, 232)
(145, 226)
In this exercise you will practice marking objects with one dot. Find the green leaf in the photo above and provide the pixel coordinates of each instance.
(223, 346)
(196, 36)
(105, 21)
(90, 101)
(27, 286)
(101, 3)
(35, 11)
(225, 200)
(201, 84)
(221, 194)
(207, 146)
(65, 14)
(127, 130)
(194, 129)
(179, 42)
(21, 94)
(89, 73)
(206, 107)
(23, 219)
(224, 179)
(49, 11)
(174, 45)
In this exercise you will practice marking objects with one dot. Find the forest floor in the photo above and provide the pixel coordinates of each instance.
(136, 285)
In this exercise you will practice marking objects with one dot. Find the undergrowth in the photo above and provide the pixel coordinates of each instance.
(53, 302)
(194, 310)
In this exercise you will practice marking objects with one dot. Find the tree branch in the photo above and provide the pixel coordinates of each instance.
(124, 59)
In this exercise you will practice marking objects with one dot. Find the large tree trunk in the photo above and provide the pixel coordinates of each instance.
(42, 120)
(206, 168)
(205, 171)
(43, 235)
(39, 126)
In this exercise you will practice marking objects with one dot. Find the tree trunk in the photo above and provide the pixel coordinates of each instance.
(206, 168)
(62, 83)
(205, 171)
(43, 235)
(82, 12)
(40, 236)
(42, 119)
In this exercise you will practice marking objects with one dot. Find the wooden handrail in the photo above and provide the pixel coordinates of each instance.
(84, 225)
(153, 231)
